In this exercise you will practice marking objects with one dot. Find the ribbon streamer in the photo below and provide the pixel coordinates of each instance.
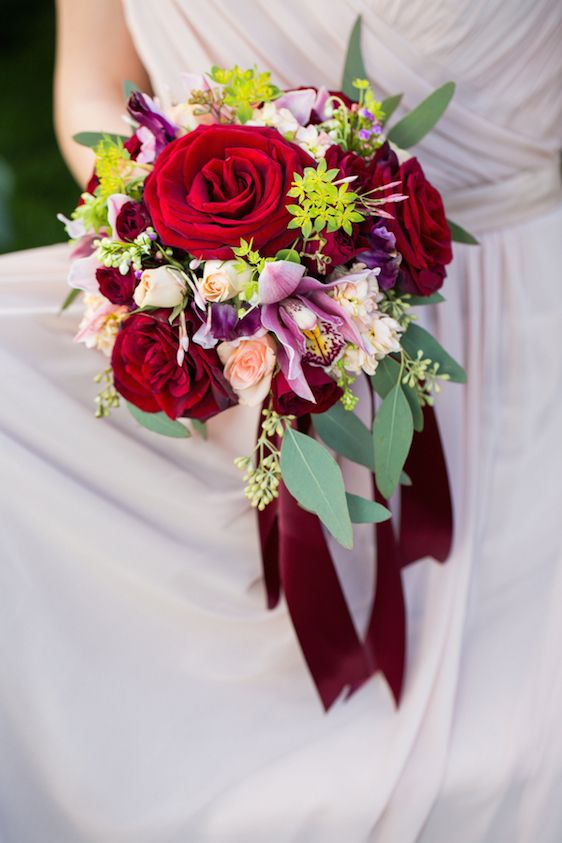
(297, 561)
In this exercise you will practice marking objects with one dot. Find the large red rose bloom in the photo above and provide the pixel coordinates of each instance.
(146, 371)
(218, 184)
(419, 224)
(422, 233)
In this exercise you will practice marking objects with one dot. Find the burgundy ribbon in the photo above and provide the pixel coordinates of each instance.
(297, 561)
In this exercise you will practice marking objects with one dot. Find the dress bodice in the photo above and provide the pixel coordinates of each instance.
(504, 127)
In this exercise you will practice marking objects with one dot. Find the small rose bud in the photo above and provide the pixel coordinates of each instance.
(223, 280)
(161, 287)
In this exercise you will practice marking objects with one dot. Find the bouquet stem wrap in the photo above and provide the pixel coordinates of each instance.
(297, 562)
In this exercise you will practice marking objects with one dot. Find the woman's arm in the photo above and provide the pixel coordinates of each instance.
(94, 56)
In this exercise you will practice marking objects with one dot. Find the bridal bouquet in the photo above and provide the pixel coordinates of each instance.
(251, 245)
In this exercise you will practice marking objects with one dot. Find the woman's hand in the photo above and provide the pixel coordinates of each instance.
(94, 56)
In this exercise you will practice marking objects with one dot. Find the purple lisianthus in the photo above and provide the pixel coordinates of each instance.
(143, 109)
(310, 325)
(383, 254)
(223, 324)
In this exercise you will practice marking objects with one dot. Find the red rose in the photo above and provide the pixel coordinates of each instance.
(419, 225)
(350, 164)
(220, 183)
(146, 371)
(385, 166)
(92, 184)
(131, 220)
(117, 288)
(324, 388)
(421, 231)
(133, 146)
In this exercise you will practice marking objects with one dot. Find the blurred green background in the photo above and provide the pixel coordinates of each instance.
(34, 181)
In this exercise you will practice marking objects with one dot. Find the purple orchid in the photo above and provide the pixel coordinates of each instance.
(383, 254)
(305, 103)
(224, 325)
(310, 325)
(144, 110)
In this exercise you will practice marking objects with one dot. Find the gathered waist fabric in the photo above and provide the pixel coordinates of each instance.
(507, 202)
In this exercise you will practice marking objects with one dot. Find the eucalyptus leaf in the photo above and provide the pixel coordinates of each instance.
(389, 106)
(386, 377)
(159, 423)
(129, 88)
(418, 301)
(354, 68)
(417, 123)
(91, 139)
(314, 479)
(461, 235)
(200, 427)
(417, 339)
(71, 297)
(364, 511)
(405, 479)
(343, 431)
(392, 436)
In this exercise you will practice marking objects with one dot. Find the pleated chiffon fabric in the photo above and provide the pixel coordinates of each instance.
(146, 693)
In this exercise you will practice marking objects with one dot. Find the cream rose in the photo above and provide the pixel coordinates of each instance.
(162, 287)
(223, 280)
(187, 117)
(248, 366)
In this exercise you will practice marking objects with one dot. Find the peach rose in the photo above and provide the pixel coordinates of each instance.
(222, 280)
(248, 366)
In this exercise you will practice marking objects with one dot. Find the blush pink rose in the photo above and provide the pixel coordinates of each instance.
(248, 367)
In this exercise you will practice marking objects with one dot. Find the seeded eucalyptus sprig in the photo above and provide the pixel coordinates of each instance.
(108, 397)
(263, 469)
(423, 376)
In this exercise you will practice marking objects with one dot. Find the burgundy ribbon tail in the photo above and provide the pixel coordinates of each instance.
(426, 524)
(292, 539)
(297, 562)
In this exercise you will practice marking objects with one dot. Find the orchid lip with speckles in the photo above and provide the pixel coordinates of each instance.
(309, 324)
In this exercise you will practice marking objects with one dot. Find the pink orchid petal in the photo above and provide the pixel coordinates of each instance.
(148, 145)
(96, 320)
(289, 354)
(82, 274)
(84, 246)
(114, 204)
(322, 97)
(74, 228)
(299, 103)
(203, 337)
(279, 280)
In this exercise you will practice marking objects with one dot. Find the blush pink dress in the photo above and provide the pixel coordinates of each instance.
(146, 694)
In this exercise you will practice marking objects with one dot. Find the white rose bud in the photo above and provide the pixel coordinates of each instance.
(162, 287)
(223, 280)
